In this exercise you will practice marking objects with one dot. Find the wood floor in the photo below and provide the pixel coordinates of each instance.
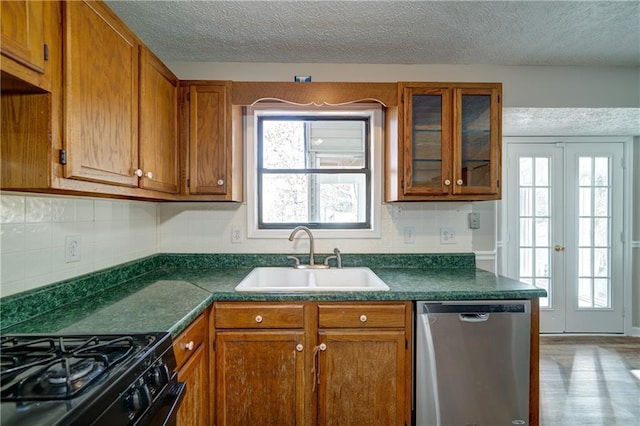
(589, 380)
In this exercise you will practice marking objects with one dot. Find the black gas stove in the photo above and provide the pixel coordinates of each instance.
(85, 379)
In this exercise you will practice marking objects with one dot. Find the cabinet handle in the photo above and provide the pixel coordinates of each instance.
(189, 346)
(138, 172)
(258, 319)
(363, 318)
(460, 182)
(316, 364)
(149, 175)
(299, 347)
(220, 182)
(447, 182)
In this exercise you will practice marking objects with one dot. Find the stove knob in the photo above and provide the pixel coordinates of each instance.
(159, 375)
(138, 398)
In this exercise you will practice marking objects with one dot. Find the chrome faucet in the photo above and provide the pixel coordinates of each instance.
(312, 263)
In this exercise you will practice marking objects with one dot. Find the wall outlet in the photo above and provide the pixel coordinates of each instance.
(409, 235)
(72, 248)
(474, 220)
(236, 234)
(447, 236)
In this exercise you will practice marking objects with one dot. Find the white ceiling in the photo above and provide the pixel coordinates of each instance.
(551, 33)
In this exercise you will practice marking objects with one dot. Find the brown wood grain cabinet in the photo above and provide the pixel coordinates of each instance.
(444, 143)
(212, 142)
(192, 355)
(26, 33)
(312, 363)
(158, 129)
(100, 75)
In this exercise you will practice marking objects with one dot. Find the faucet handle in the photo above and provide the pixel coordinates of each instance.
(296, 261)
(335, 256)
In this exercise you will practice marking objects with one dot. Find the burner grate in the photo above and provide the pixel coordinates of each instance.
(58, 368)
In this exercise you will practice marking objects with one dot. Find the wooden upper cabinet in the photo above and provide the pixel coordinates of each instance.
(158, 131)
(448, 144)
(213, 142)
(23, 35)
(100, 95)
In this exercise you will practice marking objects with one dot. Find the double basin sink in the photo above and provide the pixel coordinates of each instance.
(288, 279)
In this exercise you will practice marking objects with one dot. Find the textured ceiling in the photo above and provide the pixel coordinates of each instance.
(592, 33)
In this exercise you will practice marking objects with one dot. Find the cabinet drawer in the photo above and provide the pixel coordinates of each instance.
(361, 316)
(241, 315)
(190, 340)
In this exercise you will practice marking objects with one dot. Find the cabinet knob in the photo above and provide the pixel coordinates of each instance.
(138, 172)
(322, 347)
(363, 318)
(299, 347)
(189, 346)
(220, 182)
(149, 175)
(460, 182)
(258, 319)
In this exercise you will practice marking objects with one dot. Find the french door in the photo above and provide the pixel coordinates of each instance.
(565, 217)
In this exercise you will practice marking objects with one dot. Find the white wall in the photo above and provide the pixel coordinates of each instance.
(635, 291)
(33, 230)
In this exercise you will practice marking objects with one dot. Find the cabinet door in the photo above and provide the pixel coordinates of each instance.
(100, 95)
(195, 405)
(477, 135)
(209, 155)
(23, 33)
(362, 378)
(259, 377)
(158, 125)
(427, 141)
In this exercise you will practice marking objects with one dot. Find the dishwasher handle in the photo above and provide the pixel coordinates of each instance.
(473, 317)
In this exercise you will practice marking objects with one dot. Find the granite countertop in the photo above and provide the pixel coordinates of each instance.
(167, 292)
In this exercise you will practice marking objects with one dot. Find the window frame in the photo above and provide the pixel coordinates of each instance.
(374, 113)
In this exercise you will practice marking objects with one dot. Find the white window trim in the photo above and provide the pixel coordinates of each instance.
(374, 111)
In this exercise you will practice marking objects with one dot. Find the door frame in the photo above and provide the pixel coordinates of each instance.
(504, 268)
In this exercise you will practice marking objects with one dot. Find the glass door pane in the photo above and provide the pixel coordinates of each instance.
(476, 140)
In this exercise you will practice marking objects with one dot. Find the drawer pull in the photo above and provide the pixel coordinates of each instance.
(189, 346)
(363, 318)
(258, 319)
(299, 347)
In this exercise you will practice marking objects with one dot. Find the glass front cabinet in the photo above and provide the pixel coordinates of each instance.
(449, 143)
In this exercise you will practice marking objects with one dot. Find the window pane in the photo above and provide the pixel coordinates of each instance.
(585, 295)
(584, 232)
(601, 232)
(526, 262)
(526, 202)
(584, 164)
(526, 171)
(585, 202)
(602, 293)
(283, 144)
(584, 262)
(601, 171)
(542, 201)
(542, 171)
(601, 202)
(339, 198)
(542, 262)
(526, 232)
(601, 262)
(542, 232)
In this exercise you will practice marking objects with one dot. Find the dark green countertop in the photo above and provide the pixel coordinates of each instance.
(167, 292)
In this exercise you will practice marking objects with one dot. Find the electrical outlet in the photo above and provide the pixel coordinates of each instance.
(236, 234)
(447, 236)
(72, 248)
(474, 221)
(409, 235)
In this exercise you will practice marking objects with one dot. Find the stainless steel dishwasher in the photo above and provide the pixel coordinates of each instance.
(472, 363)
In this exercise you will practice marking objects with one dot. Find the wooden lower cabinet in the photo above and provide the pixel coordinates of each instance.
(362, 377)
(192, 366)
(195, 405)
(312, 363)
(260, 377)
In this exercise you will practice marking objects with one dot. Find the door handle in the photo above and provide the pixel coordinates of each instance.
(558, 247)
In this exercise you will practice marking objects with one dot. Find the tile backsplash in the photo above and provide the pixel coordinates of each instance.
(34, 228)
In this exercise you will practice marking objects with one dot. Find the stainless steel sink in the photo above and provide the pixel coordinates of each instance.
(286, 279)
